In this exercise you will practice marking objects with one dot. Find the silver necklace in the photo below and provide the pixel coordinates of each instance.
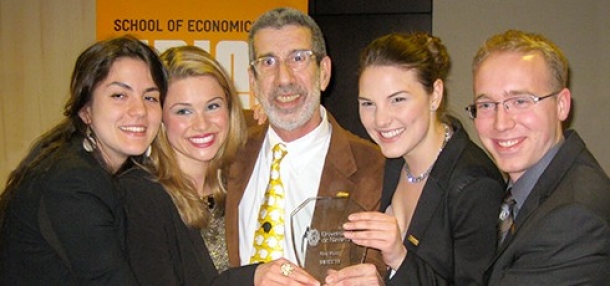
(413, 179)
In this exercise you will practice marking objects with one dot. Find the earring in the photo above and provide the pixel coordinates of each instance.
(89, 143)
(148, 151)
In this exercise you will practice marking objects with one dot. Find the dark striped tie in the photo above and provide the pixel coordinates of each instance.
(506, 216)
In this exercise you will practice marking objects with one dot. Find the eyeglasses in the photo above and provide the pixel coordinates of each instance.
(296, 61)
(513, 105)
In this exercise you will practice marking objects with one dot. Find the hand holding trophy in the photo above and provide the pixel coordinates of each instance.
(319, 242)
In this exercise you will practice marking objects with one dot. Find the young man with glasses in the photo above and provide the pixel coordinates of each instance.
(288, 71)
(559, 233)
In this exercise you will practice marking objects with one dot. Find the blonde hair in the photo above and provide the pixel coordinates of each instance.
(190, 61)
(523, 42)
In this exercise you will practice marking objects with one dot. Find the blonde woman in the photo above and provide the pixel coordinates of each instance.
(176, 211)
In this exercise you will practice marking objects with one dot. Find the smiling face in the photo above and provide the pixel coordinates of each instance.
(196, 118)
(124, 112)
(290, 98)
(395, 109)
(517, 142)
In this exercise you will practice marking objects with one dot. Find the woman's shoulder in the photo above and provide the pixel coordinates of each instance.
(140, 187)
(474, 162)
(468, 158)
(137, 179)
(70, 167)
(147, 206)
(136, 174)
(470, 165)
(70, 173)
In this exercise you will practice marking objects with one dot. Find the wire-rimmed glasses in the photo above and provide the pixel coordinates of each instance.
(296, 61)
(513, 105)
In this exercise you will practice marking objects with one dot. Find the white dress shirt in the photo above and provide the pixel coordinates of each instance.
(300, 171)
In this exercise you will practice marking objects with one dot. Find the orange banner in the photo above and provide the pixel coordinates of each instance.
(218, 26)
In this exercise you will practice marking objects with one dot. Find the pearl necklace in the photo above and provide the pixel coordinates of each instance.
(413, 179)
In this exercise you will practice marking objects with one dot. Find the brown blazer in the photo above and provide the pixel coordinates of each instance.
(352, 165)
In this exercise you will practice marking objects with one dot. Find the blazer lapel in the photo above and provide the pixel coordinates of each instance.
(392, 173)
(239, 176)
(340, 168)
(241, 169)
(435, 190)
(339, 164)
(547, 183)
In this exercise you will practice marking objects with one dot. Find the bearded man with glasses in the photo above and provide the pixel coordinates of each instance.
(560, 232)
(288, 71)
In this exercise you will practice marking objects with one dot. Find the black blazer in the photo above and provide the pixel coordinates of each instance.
(452, 235)
(162, 249)
(562, 233)
(79, 201)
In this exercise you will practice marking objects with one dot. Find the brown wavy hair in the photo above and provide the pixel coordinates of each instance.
(91, 68)
(425, 54)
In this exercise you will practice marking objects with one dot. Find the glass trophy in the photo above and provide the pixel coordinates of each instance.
(318, 240)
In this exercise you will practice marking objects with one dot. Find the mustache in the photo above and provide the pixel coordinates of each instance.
(287, 89)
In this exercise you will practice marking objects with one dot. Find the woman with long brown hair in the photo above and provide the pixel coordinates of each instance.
(441, 192)
(63, 219)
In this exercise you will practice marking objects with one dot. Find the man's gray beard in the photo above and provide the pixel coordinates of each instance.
(305, 112)
(304, 115)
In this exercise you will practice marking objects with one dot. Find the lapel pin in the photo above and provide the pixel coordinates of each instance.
(342, 194)
(413, 240)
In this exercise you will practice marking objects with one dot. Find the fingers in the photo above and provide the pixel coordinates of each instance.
(372, 229)
(301, 277)
(282, 272)
(361, 274)
(373, 215)
(259, 114)
(369, 220)
(379, 231)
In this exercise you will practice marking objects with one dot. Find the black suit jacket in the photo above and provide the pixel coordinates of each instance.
(562, 232)
(163, 250)
(85, 214)
(452, 235)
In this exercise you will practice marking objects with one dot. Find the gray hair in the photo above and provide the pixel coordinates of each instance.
(281, 17)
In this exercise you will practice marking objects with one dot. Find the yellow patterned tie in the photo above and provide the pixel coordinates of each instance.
(269, 235)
